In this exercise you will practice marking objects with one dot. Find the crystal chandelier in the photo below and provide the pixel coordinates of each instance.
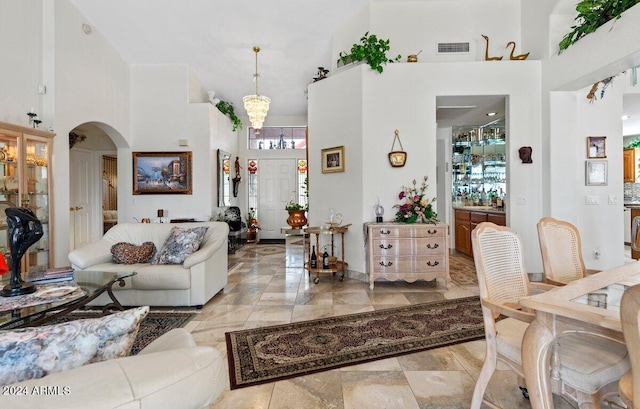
(256, 105)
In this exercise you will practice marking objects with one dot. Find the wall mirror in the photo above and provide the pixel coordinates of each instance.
(224, 160)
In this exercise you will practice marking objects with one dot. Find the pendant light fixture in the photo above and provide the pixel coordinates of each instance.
(256, 105)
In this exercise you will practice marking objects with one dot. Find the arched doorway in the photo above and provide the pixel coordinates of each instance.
(93, 182)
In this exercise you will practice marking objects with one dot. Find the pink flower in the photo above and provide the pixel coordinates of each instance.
(401, 195)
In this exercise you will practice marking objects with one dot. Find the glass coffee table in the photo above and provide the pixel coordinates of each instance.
(52, 301)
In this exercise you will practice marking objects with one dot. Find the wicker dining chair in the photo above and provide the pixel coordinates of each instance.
(590, 365)
(561, 250)
(629, 386)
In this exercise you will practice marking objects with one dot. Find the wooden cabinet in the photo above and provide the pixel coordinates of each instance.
(467, 220)
(25, 180)
(630, 158)
(407, 252)
(463, 231)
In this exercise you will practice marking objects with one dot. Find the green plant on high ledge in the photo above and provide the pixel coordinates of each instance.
(227, 109)
(371, 49)
(591, 15)
(633, 144)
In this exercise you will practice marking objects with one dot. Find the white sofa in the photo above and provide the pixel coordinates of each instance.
(201, 276)
(171, 372)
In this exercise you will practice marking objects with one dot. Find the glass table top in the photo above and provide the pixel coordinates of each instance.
(608, 297)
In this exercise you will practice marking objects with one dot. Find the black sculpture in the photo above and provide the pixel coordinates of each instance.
(24, 230)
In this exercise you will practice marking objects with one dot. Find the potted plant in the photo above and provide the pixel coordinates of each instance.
(297, 217)
(371, 49)
(252, 226)
(227, 109)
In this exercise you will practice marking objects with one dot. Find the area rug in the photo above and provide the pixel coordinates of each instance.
(279, 352)
(462, 271)
(154, 324)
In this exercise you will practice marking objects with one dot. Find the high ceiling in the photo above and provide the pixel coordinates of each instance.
(216, 39)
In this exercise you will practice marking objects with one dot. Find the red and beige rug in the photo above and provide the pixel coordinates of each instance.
(278, 352)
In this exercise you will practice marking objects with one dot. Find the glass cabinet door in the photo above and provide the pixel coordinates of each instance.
(35, 195)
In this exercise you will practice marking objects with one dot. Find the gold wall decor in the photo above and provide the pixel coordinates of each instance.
(397, 159)
(486, 51)
(516, 57)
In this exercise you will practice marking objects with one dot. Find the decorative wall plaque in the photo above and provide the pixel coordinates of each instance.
(397, 159)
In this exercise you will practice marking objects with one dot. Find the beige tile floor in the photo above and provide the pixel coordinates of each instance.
(267, 288)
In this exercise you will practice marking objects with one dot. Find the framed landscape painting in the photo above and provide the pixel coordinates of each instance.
(162, 173)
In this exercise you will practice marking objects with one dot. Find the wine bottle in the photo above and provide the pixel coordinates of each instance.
(325, 260)
(314, 258)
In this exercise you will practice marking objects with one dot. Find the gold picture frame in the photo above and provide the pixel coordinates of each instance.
(596, 147)
(333, 159)
(162, 173)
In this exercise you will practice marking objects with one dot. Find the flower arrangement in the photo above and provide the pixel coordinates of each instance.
(416, 208)
(252, 222)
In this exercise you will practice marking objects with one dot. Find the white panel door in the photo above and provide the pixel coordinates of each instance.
(276, 185)
(82, 195)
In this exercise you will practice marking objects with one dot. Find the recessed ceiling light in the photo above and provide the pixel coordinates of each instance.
(492, 113)
(625, 117)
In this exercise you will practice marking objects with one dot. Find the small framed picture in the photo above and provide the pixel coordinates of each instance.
(333, 159)
(596, 173)
(596, 147)
(161, 173)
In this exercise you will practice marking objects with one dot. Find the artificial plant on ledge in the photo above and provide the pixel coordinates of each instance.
(371, 49)
(591, 15)
(227, 109)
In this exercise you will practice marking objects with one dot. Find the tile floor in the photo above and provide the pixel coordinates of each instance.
(267, 288)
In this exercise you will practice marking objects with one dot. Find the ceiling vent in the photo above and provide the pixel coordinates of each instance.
(453, 48)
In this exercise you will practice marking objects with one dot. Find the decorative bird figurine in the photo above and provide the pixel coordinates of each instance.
(486, 51)
(516, 57)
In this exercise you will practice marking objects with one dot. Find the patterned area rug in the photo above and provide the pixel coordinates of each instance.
(154, 324)
(462, 270)
(278, 352)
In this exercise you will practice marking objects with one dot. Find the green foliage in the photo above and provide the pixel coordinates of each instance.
(371, 49)
(293, 206)
(591, 15)
(227, 109)
(633, 144)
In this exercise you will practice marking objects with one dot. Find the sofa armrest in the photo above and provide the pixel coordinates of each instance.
(91, 254)
(185, 377)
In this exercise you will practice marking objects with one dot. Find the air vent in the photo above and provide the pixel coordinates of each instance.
(453, 48)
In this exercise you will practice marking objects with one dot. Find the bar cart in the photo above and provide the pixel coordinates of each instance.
(336, 265)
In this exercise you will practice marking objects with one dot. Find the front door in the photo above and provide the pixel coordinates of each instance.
(276, 186)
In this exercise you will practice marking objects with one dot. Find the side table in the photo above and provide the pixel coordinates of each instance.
(339, 265)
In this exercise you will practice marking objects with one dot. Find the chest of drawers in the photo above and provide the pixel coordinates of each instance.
(407, 252)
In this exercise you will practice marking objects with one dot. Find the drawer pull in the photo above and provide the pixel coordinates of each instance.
(386, 248)
(385, 231)
(435, 246)
(430, 264)
(388, 264)
(432, 231)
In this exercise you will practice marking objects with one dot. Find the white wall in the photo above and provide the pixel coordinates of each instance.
(413, 26)
(91, 84)
(404, 98)
(161, 114)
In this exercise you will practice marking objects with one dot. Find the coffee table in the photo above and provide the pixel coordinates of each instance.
(52, 308)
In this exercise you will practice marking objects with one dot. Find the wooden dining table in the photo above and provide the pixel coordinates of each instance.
(591, 304)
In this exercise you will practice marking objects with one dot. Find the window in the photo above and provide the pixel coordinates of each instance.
(271, 137)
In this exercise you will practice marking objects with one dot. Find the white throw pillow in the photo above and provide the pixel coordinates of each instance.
(30, 353)
(180, 243)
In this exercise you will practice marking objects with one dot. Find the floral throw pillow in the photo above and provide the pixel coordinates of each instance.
(127, 253)
(30, 353)
(180, 243)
